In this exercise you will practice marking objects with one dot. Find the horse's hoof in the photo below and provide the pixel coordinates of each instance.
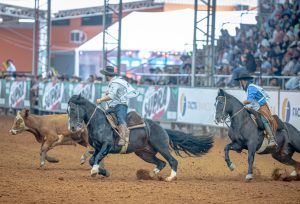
(152, 174)
(293, 174)
(94, 171)
(42, 164)
(55, 161)
(170, 178)
(232, 167)
(104, 172)
(249, 177)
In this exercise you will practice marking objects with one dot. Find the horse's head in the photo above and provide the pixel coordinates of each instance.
(220, 104)
(19, 122)
(76, 113)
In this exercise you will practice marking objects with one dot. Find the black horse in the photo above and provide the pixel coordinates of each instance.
(144, 142)
(247, 134)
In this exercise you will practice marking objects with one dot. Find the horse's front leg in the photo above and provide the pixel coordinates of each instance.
(251, 153)
(228, 147)
(98, 158)
(230, 165)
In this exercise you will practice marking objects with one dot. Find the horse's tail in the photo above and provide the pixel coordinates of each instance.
(191, 145)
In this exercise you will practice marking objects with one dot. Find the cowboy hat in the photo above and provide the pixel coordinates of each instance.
(109, 71)
(243, 75)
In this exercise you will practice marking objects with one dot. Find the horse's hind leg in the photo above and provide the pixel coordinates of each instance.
(287, 160)
(172, 161)
(151, 158)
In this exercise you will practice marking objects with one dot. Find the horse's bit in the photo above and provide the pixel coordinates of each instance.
(225, 117)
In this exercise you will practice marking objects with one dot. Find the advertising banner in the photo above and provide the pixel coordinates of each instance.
(51, 95)
(196, 106)
(290, 108)
(17, 94)
(2, 92)
(156, 103)
(90, 91)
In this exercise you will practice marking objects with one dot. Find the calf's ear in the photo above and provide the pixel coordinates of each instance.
(25, 113)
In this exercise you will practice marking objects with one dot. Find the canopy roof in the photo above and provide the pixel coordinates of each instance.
(165, 31)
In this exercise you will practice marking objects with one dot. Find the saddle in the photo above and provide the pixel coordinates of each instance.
(133, 120)
(256, 117)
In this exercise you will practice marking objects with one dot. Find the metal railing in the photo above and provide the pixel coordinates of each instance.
(201, 78)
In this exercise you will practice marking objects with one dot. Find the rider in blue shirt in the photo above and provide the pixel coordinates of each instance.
(257, 99)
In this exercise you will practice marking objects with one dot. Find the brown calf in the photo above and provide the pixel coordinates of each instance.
(50, 131)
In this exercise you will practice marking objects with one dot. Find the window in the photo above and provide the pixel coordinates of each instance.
(78, 36)
(95, 20)
(64, 22)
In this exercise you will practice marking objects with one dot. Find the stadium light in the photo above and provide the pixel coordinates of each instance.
(25, 20)
(1, 20)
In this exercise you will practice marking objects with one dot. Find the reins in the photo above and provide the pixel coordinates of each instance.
(87, 124)
(226, 116)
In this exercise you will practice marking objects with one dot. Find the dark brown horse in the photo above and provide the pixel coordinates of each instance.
(144, 142)
(246, 134)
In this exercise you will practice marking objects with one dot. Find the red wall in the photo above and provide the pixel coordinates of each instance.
(16, 44)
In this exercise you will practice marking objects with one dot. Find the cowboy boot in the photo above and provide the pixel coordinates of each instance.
(123, 133)
(270, 136)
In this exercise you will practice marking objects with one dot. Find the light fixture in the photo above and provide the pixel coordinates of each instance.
(25, 20)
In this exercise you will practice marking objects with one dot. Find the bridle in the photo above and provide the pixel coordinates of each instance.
(225, 118)
(80, 122)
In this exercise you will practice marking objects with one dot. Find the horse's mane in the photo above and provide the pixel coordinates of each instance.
(78, 99)
(231, 97)
(234, 98)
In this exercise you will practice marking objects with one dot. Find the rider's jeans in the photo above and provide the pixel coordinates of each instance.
(120, 111)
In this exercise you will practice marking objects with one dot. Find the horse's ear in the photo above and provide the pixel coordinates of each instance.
(221, 92)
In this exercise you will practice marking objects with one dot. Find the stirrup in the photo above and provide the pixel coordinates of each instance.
(272, 143)
(121, 142)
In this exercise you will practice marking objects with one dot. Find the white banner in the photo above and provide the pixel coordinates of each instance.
(196, 106)
(273, 101)
(290, 108)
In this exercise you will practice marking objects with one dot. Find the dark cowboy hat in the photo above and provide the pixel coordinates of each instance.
(243, 75)
(109, 71)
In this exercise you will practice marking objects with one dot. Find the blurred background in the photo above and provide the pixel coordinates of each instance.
(51, 49)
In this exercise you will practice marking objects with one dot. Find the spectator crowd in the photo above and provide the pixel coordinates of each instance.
(270, 48)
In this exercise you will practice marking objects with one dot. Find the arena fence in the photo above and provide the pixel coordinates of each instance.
(160, 103)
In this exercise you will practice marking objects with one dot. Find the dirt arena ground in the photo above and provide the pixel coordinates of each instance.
(200, 180)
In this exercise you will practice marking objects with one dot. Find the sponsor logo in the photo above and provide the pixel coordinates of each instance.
(286, 110)
(53, 96)
(86, 90)
(17, 94)
(156, 102)
(182, 104)
(185, 105)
